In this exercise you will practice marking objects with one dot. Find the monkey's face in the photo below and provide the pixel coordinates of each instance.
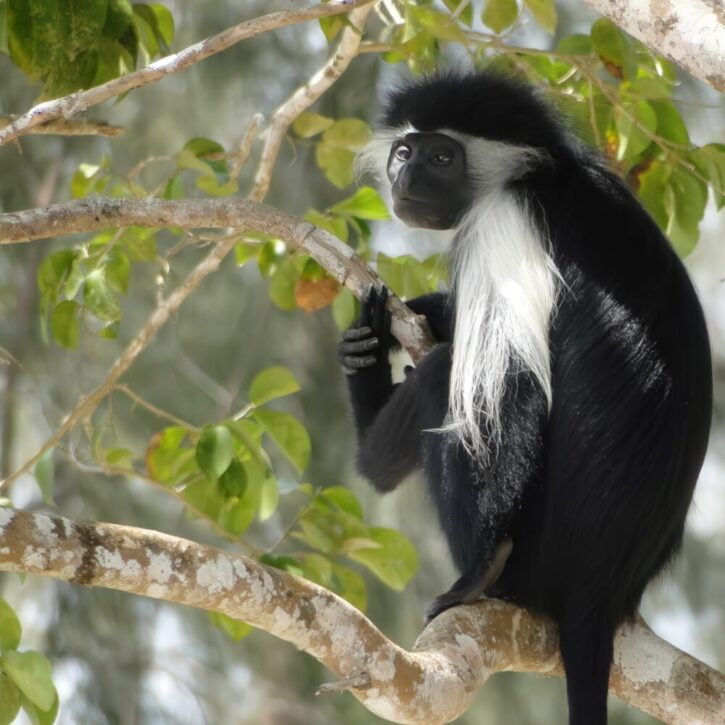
(429, 185)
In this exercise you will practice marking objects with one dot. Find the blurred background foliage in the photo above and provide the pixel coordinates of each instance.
(232, 427)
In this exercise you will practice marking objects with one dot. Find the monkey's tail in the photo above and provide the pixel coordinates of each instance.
(586, 649)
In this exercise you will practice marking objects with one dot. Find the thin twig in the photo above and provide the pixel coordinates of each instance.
(158, 412)
(304, 97)
(67, 127)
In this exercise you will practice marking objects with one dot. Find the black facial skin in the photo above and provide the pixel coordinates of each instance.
(431, 189)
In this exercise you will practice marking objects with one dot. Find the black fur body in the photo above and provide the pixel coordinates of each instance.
(592, 490)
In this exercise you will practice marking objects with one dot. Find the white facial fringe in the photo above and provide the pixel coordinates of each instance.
(505, 287)
(504, 280)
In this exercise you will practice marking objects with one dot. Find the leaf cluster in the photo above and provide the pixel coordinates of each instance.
(25, 677)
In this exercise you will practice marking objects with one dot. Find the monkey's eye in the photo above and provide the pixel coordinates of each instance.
(402, 152)
(442, 159)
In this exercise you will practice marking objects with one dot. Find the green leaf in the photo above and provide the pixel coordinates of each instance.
(64, 324)
(155, 26)
(670, 124)
(649, 88)
(576, 44)
(499, 14)
(309, 124)
(344, 309)
(203, 148)
(211, 186)
(348, 133)
(118, 19)
(709, 160)
(272, 383)
(685, 200)
(54, 270)
(287, 563)
(438, 24)
(634, 121)
(9, 694)
(45, 476)
(244, 252)
(289, 435)
(614, 48)
(466, 15)
(233, 628)
(318, 568)
(545, 13)
(3, 28)
(120, 457)
(336, 225)
(316, 537)
(336, 163)
(30, 671)
(166, 460)
(349, 585)
(282, 285)
(269, 498)
(10, 629)
(165, 21)
(652, 184)
(331, 26)
(344, 499)
(98, 297)
(237, 514)
(56, 41)
(174, 188)
(233, 482)
(38, 716)
(214, 451)
(83, 180)
(271, 256)
(140, 243)
(394, 561)
(365, 203)
(118, 270)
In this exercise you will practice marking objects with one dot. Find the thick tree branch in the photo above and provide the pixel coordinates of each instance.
(434, 683)
(691, 34)
(81, 100)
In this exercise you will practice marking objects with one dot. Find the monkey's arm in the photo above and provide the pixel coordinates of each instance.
(387, 416)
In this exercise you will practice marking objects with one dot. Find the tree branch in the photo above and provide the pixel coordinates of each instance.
(434, 683)
(74, 103)
(64, 127)
(691, 34)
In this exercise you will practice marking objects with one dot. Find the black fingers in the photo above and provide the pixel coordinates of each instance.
(357, 333)
(361, 345)
(358, 346)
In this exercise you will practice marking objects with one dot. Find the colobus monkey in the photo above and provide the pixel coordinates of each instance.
(563, 417)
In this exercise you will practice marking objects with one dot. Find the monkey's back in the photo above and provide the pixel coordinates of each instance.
(631, 410)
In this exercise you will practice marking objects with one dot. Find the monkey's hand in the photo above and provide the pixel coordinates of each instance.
(368, 341)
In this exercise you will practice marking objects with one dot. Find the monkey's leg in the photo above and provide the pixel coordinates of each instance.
(474, 584)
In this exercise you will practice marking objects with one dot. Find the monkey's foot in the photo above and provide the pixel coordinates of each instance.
(473, 585)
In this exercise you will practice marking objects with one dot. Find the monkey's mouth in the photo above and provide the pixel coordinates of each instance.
(421, 214)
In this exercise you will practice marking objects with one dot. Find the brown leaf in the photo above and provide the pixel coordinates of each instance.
(312, 296)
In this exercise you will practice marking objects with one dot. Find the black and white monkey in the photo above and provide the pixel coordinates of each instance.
(563, 417)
